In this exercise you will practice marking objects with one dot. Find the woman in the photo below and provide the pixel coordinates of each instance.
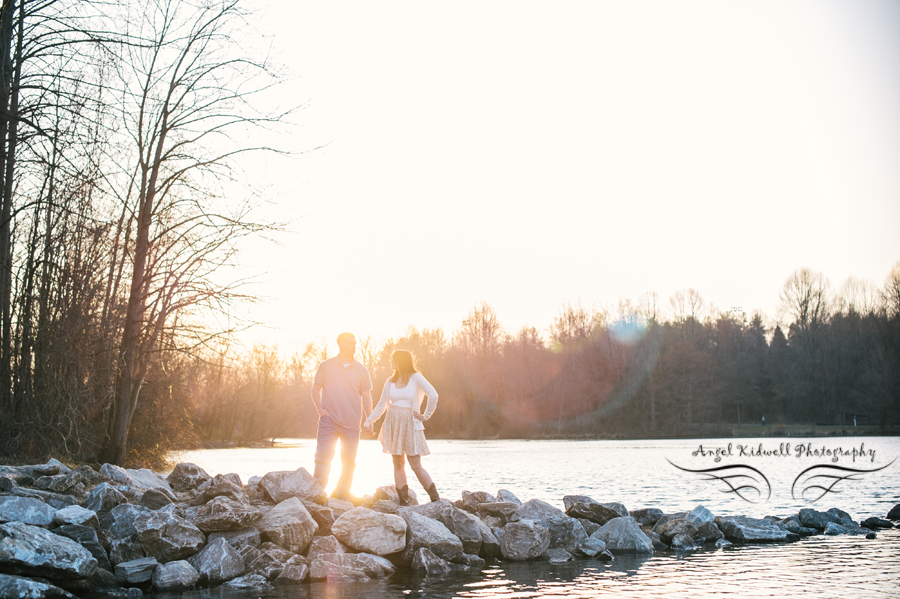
(402, 434)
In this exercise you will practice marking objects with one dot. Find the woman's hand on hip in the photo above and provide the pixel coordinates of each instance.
(418, 417)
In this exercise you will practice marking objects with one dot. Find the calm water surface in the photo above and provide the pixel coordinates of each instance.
(637, 474)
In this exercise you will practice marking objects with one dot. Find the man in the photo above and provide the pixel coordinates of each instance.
(342, 385)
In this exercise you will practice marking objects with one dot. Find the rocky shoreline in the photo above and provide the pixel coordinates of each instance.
(122, 532)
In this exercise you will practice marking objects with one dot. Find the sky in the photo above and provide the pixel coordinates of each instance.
(531, 154)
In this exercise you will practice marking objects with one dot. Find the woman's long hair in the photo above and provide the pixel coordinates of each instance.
(403, 360)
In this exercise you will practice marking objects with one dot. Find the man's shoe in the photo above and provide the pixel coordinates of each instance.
(403, 494)
(432, 493)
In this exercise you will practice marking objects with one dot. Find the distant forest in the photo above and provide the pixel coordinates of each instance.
(627, 372)
(122, 206)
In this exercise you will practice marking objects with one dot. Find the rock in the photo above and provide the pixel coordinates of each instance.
(104, 498)
(658, 545)
(90, 476)
(471, 561)
(126, 549)
(154, 499)
(289, 525)
(136, 571)
(814, 519)
(589, 526)
(187, 477)
(424, 561)
(32, 551)
(324, 516)
(370, 531)
(60, 483)
(423, 531)
(557, 555)
(115, 474)
(167, 537)
(294, 572)
(144, 478)
(237, 538)
(591, 547)
(339, 506)
(672, 528)
(320, 545)
(876, 523)
(385, 506)
(708, 532)
(539, 512)
(871, 535)
(268, 560)
(6, 484)
(470, 501)
(894, 513)
(77, 515)
(350, 566)
(87, 538)
(249, 582)
(623, 535)
(683, 542)
(499, 509)
(606, 556)
(753, 530)
(174, 576)
(582, 506)
(218, 562)
(565, 532)
(723, 543)
(524, 540)
(298, 483)
(25, 510)
(389, 493)
(119, 521)
(220, 485)
(465, 526)
(224, 513)
(507, 496)
(17, 587)
(647, 516)
(839, 529)
(699, 515)
(54, 500)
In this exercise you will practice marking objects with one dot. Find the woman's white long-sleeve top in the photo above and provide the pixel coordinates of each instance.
(423, 389)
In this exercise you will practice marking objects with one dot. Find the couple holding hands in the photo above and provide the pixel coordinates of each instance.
(342, 390)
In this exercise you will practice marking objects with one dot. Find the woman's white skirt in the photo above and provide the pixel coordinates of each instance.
(398, 435)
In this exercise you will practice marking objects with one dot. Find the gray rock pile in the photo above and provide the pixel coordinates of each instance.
(122, 532)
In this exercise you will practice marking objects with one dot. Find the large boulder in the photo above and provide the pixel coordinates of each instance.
(254, 583)
(507, 496)
(369, 531)
(811, 518)
(115, 474)
(25, 510)
(297, 483)
(87, 538)
(700, 514)
(295, 571)
(582, 506)
(237, 538)
(839, 529)
(220, 485)
(104, 498)
(137, 571)
(25, 588)
(539, 512)
(167, 537)
(389, 493)
(465, 526)
(647, 516)
(754, 530)
(125, 549)
(32, 551)
(175, 576)
(72, 482)
(144, 478)
(289, 525)
(894, 513)
(224, 513)
(503, 510)
(623, 535)
(187, 477)
(672, 528)
(565, 533)
(426, 562)
(423, 531)
(524, 540)
(322, 545)
(708, 532)
(324, 516)
(218, 562)
(341, 566)
(77, 515)
(119, 521)
(154, 499)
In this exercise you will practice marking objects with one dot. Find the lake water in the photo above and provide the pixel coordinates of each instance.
(641, 474)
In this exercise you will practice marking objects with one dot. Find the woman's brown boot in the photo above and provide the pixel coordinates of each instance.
(403, 494)
(432, 493)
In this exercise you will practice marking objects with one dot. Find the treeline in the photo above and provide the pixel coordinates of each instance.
(627, 371)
